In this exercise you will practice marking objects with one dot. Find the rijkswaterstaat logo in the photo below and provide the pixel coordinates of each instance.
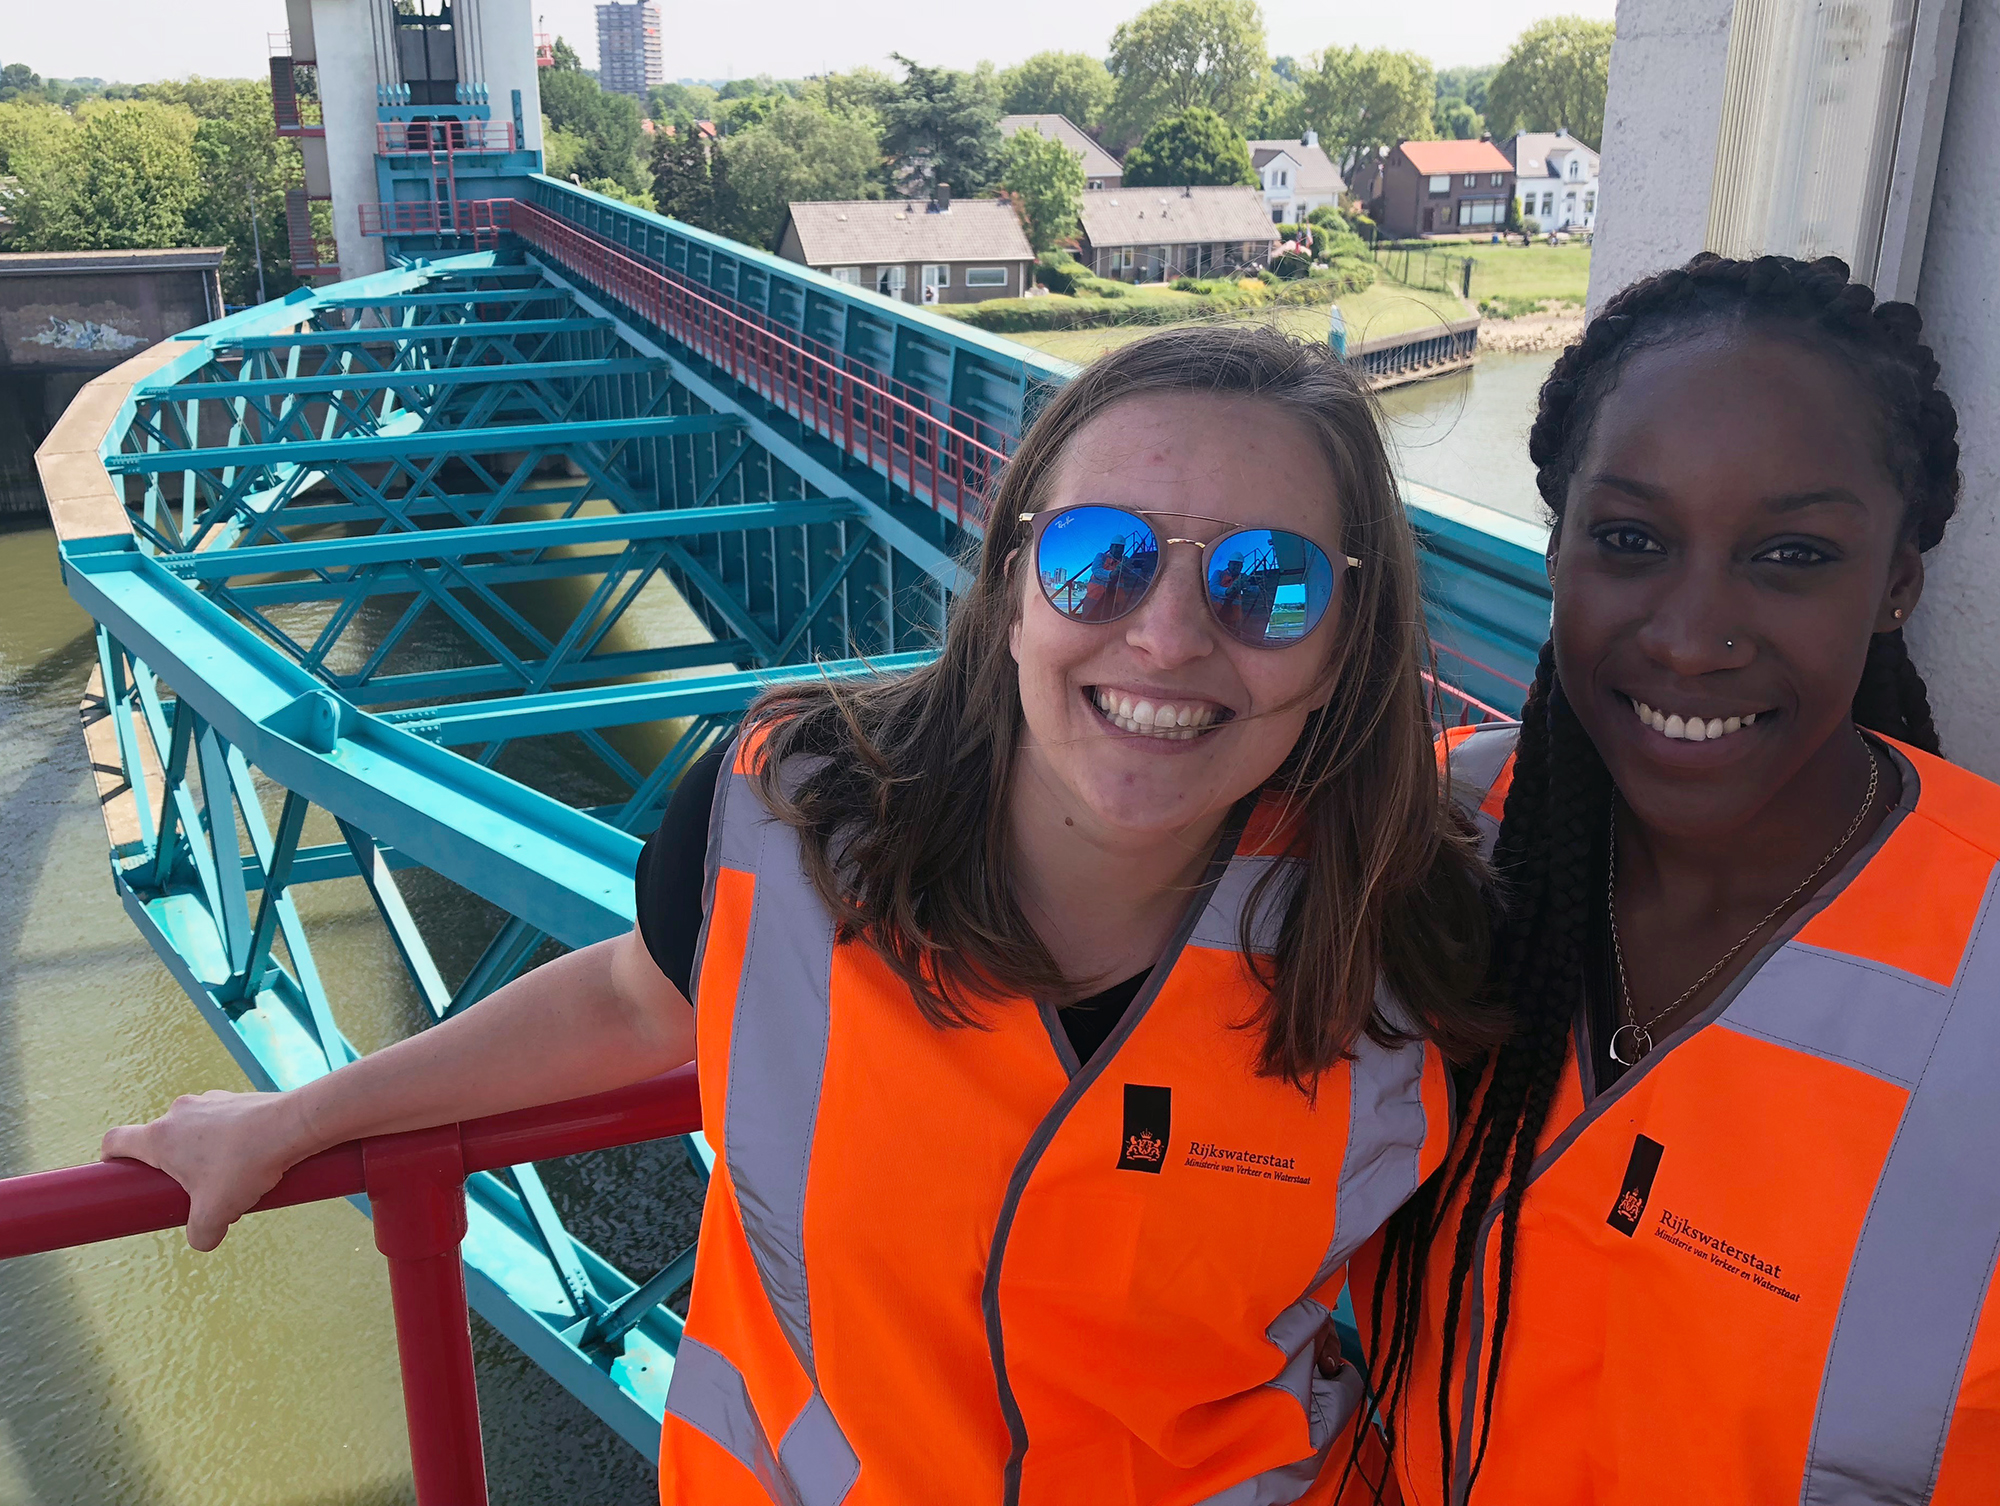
(1639, 1174)
(1149, 1125)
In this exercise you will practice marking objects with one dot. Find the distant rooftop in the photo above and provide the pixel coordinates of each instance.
(145, 259)
(1175, 216)
(1097, 162)
(1317, 174)
(852, 231)
(1434, 157)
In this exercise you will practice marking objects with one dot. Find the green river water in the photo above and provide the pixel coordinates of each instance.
(141, 1374)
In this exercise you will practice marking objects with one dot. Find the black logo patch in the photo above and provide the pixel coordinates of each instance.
(1149, 1122)
(1639, 1174)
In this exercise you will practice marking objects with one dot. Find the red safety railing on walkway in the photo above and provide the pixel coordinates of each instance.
(934, 457)
(415, 1184)
(1453, 707)
(394, 138)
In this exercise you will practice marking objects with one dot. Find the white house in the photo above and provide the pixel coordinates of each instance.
(1298, 177)
(1555, 178)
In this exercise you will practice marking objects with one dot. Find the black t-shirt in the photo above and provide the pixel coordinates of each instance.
(672, 874)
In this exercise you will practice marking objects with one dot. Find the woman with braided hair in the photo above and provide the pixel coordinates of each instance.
(1721, 1224)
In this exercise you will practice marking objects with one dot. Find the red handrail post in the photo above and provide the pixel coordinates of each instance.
(416, 1187)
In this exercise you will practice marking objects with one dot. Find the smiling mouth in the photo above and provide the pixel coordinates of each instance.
(1176, 721)
(1692, 729)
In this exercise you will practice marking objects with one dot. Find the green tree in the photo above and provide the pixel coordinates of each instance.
(1555, 75)
(562, 151)
(1176, 54)
(671, 101)
(124, 175)
(1458, 120)
(1280, 109)
(1046, 181)
(943, 126)
(1468, 84)
(860, 92)
(241, 160)
(19, 82)
(1196, 146)
(607, 125)
(1362, 102)
(564, 58)
(1072, 84)
(800, 154)
(683, 176)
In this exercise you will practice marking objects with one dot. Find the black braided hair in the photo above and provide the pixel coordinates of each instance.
(1550, 853)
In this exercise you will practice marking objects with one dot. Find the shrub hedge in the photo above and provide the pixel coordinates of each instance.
(1188, 298)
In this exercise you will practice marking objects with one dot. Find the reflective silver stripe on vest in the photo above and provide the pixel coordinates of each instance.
(1220, 924)
(1328, 1405)
(777, 1053)
(1875, 1018)
(707, 1393)
(1473, 768)
(817, 1456)
(1924, 1263)
(777, 1063)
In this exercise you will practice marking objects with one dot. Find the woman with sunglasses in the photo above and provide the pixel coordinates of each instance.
(1066, 1011)
(1722, 1225)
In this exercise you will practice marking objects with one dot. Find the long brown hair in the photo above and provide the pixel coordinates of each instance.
(904, 823)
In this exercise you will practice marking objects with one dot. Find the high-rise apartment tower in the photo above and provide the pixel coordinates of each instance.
(628, 48)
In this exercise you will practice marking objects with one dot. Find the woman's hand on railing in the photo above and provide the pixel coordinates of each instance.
(225, 1149)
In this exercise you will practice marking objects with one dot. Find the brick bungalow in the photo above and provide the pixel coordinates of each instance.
(1442, 188)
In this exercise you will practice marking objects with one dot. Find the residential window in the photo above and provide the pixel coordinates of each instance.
(986, 277)
(1497, 178)
(1471, 179)
(1278, 215)
(1480, 212)
(1573, 166)
(1122, 258)
(890, 281)
(1590, 201)
(1284, 180)
(1441, 183)
(849, 275)
(1548, 205)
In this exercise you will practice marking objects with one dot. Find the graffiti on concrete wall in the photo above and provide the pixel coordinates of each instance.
(85, 334)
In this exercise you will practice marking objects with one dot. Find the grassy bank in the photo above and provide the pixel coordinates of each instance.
(1510, 280)
(1385, 309)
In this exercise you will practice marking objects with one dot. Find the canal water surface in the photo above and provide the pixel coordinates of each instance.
(141, 1374)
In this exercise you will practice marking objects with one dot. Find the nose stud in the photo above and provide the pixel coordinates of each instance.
(1729, 643)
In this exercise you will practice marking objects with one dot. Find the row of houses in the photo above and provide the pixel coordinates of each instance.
(943, 251)
(962, 251)
(1451, 187)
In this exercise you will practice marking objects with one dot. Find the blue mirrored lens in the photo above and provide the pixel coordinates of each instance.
(1269, 587)
(1096, 562)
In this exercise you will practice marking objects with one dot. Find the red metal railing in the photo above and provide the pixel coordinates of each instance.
(415, 1184)
(897, 435)
(422, 137)
(1453, 707)
(482, 219)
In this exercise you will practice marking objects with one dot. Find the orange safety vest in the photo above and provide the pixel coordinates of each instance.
(957, 1265)
(1755, 1270)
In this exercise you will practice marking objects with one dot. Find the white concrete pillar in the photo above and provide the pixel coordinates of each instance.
(344, 40)
(1955, 635)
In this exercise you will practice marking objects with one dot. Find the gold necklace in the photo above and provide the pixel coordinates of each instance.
(1636, 1037)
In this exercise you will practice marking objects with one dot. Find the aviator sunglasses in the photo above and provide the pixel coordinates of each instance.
(1266, 587)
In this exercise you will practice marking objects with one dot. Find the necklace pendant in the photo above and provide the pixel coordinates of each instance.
(1630, 1045)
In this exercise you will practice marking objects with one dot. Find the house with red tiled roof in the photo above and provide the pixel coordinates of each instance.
(1442, 188)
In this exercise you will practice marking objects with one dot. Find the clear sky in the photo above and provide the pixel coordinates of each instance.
(136, 41)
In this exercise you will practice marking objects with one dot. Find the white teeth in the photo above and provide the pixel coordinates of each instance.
(1690, 729)
(1176, 722)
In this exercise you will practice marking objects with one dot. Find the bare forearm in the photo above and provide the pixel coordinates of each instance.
(566, 1029)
